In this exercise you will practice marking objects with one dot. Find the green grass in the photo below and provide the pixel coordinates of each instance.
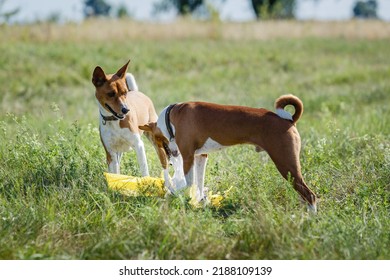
(54, 202)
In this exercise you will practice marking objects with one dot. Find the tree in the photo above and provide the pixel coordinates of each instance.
(122, 12)
(95, 8)
(258, 5)
(183, 7)
(365, 9)
(273, 8)
(7, 15)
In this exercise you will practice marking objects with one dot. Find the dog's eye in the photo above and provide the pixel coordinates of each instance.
(111, 94)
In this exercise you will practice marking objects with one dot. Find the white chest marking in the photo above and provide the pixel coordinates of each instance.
(117, 139)
(209, 146)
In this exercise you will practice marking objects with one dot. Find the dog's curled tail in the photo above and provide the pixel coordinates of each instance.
(131, 83)
(285, 100)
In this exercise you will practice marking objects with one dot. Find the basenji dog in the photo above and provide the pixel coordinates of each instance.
(194, 129)
(122, 108)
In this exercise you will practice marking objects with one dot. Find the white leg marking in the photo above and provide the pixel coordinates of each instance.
(190, 177)
(200, 168)
(141, 156)
(114, 166)
(179, 180)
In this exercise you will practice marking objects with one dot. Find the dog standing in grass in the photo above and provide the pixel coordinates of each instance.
(122, 109)
(191, 130)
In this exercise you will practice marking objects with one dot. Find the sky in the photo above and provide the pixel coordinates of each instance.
(233, 10)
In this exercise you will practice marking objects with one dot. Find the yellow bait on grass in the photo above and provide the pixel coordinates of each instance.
(136, 186)
(151, 186)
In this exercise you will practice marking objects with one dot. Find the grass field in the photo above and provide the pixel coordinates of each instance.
(54, 202)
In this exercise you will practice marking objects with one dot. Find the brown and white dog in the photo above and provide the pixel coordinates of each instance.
(122, 108)
(193, 129)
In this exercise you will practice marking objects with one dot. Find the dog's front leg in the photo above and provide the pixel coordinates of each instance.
(141, 156)
(114, 162)
(179, 181)
(200, 167)
(189, 163)
(190, 179)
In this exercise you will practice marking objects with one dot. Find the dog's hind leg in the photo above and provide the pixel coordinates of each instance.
(285, 155)
(287, 165)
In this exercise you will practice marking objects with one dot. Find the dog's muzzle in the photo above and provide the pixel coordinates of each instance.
(124, 111)
(167, 150)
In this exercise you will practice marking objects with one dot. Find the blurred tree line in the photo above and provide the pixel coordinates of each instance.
(263, 9)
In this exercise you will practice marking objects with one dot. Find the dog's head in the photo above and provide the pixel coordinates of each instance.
(160, 142)
(111, 91)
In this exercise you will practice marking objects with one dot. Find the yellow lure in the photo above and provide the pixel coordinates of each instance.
(150, 186)
(136, 186)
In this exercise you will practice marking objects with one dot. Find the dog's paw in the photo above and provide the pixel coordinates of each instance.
(312, 208)
(169, 191)
(205, 200)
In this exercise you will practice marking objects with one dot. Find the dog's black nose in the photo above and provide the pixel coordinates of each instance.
(125, 110)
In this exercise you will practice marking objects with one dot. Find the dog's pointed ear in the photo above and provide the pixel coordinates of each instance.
(146, 127)
(98, 77)
(121, 73)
